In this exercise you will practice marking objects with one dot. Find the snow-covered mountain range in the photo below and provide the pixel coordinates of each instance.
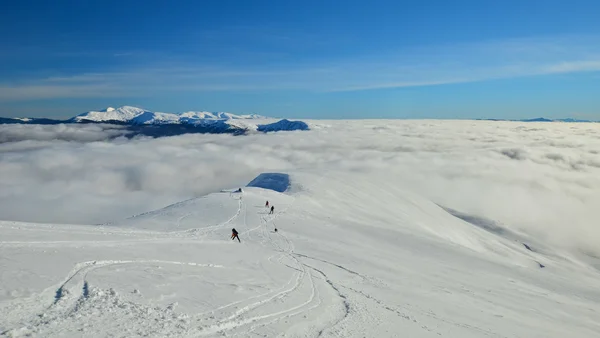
(161, 123)
(137, 115)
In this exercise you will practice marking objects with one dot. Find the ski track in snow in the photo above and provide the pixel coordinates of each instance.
(235, 319)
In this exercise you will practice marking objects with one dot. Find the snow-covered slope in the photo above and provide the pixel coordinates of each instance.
(123, 114)
(155, 118)
(350, 258)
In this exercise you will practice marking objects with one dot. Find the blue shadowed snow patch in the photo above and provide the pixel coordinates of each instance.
(272, 181)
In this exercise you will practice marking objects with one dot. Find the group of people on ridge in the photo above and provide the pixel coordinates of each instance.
(234, 233)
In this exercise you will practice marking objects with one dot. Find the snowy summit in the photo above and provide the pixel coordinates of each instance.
(122, 114)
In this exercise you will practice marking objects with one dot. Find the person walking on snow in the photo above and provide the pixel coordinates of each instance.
(234, 235)
(272, 208)
(267, 204)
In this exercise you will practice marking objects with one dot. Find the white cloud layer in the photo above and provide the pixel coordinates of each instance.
(60, 132)
(541, 178)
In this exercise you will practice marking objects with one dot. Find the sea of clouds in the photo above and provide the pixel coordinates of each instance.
(541, 178)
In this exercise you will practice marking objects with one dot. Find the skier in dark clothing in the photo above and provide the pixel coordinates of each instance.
(234, 235)
(272, 208)
(267, 204)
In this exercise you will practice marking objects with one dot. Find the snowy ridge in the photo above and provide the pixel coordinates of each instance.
(350, 258)
(148, 117)
(123, 114)
(219, 116)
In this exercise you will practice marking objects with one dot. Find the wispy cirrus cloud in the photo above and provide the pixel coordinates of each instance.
(409, 67)
(156, 79)
(573, 66)
(47, 91)
(455, 76)
(475, 62)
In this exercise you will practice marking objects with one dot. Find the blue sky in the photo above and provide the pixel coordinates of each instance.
(303, 59)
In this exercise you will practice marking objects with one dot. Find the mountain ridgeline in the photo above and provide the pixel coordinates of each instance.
(156, 124)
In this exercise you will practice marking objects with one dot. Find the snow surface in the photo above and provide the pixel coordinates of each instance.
(155, 118)
(350, 258)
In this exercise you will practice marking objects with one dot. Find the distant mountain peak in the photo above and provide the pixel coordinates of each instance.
(283, 125)
(122, 114)
(538, 119)
(543, 119)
